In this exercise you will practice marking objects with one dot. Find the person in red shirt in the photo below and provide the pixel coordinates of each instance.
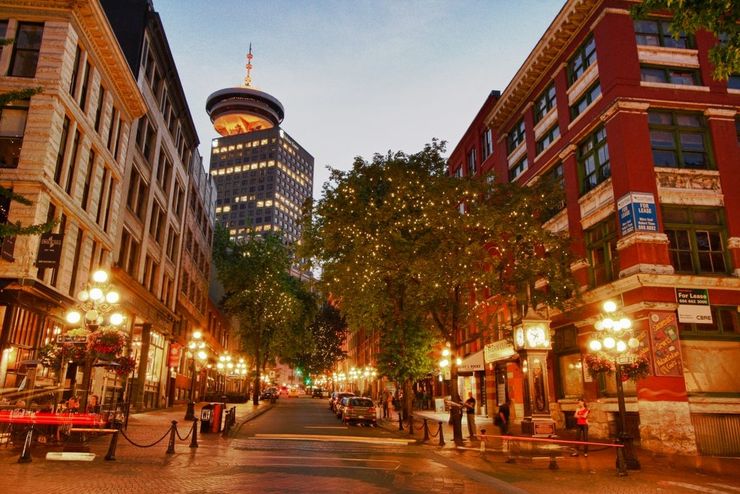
(582, 424)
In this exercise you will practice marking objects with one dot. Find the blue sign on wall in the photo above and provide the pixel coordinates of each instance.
(637, 213)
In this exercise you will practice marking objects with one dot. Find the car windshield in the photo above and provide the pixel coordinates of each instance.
(361, 402)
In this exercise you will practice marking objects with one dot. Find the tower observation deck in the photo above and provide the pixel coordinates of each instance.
(238, 110)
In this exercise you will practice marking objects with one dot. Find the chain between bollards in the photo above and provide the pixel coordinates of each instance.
(171, 445)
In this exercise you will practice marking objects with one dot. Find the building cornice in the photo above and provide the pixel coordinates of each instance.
(571, 18)
(89, 16)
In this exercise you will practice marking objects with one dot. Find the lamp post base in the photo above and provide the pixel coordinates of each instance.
(190, 413)
(630, 457)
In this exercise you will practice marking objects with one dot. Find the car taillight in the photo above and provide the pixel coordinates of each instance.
(371, 410)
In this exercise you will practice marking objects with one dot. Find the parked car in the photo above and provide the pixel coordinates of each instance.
(317, 393)
(270, 394)
(292, 392)
(360, 410)
(340, 406)
(336, 396)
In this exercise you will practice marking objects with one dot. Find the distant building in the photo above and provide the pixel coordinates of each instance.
(630, 121)
(263, 176)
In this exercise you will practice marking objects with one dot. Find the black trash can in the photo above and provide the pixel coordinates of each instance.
(206, 417)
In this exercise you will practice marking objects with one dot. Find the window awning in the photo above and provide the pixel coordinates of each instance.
(471, 363)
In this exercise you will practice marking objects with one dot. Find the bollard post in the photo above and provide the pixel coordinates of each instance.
(111, 454)
(426, 431)
(171, 445)
(411, 425)
(441, 435)
(26, 453)
(194, 439)
(482, 442)
(400, 421)
(621, 463)
(553, 463)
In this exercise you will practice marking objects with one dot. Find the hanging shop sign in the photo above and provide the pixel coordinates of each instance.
(693, 305)
(174, 355)
(637, 213)
(666, 346)
(50, 250)
(498, 350)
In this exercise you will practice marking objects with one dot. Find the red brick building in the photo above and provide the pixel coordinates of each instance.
(647, 146)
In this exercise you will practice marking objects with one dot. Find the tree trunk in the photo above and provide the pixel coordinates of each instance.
(455, 411)
(408, 399)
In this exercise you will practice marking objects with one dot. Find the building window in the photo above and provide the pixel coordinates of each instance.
(75, 72)
(85, 87)
(556, 178)
(733, 82)
(26, 49)
(61, 151)
(601, 250)
(487, 143)
(658, 33)
(12, 127)
(696, 239)
(585, 100)
(725, 324)
(670, 75)
(583, 58)
(516, 170)
(129, 255)
(472, 165)
(544, 103)
(548, 138)
(516, 136)
(678, 140)
(593, 160)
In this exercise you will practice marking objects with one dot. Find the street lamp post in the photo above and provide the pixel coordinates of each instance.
(197, 346)
(614, 338)
(95, 309)
(445, 365)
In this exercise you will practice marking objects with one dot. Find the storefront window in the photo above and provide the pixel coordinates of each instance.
(571, 375)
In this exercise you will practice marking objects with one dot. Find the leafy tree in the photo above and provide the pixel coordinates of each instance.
(258, 292)
(405, 248)
(321, 349)
(719, 17)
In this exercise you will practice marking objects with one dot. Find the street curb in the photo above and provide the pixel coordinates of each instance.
(250, 416)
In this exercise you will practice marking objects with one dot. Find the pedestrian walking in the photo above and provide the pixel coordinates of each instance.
(470, 414)
(502, 417)
(582, 426)
(387, 400)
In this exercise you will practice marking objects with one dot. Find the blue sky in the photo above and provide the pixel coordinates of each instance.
(355, 77)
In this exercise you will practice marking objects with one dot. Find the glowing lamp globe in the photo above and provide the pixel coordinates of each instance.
(112, 297)
(621, 346)
(609, 343)
(610, 306)
(74, 317)
(595, 345)
(96, 294)
(100, 276)
(116, 319)
(83, 296)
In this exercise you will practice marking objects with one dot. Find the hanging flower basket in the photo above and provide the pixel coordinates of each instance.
(126, 365)
(597, 365)
(639, 369)
(106, 344)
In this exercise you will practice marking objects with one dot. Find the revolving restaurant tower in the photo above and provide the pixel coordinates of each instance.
(262, 175)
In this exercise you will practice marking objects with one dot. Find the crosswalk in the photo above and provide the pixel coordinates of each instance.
(708, 488)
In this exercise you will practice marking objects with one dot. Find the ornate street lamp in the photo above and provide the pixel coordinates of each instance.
(614, 339)
(197, 348)
(96, 311)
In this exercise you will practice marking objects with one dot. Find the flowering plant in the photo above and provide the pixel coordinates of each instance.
(639, 369)
(597, 365)
(106, 343)
(125, 365)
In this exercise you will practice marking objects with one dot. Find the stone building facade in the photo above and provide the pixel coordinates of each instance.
(65, 150)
